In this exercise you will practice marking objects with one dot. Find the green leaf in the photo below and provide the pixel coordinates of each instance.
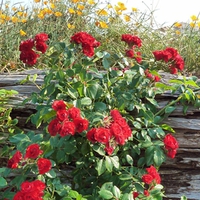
(86, 101)
(106, 63)
(101, 167)
(116, 191)
(73, 194)
(109, 164)
(169, 109)
(129, 159)
(106, 194)
(167, 128)
(149, 155)
(19, 138)
(183, 197)
(125, 177)
(51, 174)
(3, 182)
(100, 106)
(158, 156)
(115, 161)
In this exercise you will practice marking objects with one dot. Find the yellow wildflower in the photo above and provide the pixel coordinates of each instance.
(70, 26)
(58, 14)
(75, 1)
(52, 6)
(198, 24)
(45, 2)
(25, 14)
(7, 5)
(24, 20)
(78, 12)
(80, 7)
(14, 9)
(121, 6)
(101, 24)
(3, 16)
(177, 32)
(102, 12)
(41, 15)
(71, 11)
(134, 9)
(109, 6)
(20, 14)
(194, 18)
(37, 1)
(91, 2)
(14, 19)
(2, 21)
(22, 33)
(178, 25)
(7, 18)
(127, 18)
(192, 24)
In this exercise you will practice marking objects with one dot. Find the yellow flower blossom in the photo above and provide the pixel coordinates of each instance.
(192, 24)
(177, 32)
(2, 21)
(14, 19)
(70, 26)
(14, 9)
(121, 6)
(109, 6)
(75, 1)
(102, 12)
(198, 24)
(6, 5)
(127, 18)
(58, 14)
(41, 15)
(78, 12)
(20, 14)
(178, 25)
(37, 1)
(101, 24)
(22, 33)
(45, 2)
(3, 16)
(91, 2)
(134, 9)
(80, 7)
(71, 11)
(52, 5)
(194, 18)
(24, 14)
(24, 20)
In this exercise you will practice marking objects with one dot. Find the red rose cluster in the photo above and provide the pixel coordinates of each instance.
(171, 145)
(136, 194)
(67, 121)
(28, 55)
(32, 152)
(133, 42)
(115, 132)
(152, 176)
(151, 76)
(87, 41)
(170, 55)
(31, 190)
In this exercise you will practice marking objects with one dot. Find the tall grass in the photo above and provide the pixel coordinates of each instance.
(106, 22)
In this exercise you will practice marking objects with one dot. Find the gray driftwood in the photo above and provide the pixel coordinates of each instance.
(180, 176)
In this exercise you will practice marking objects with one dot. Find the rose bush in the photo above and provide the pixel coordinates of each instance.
(102, 132)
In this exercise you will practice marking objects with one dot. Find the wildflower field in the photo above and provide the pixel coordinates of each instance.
(100, 133)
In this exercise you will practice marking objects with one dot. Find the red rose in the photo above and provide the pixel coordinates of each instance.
(74, 112)
(135, 194)
(173, 70)
(172, 51)
(19, 196)
(81, 124)
(146, 193)
(90, 135)
(29, 57)
(153, 172)
(41, 37)
(44, 165)
(171, 153)
(62, 115)
(179, 62)
(158, 55)
(147, 178)
(27, 187)
(102, 135)
(54, 127)
(67, 128)
(138, 57)
(130, 53)
(88, 50)
(14, 161)
(131, 40)
(41, 46)
(39, 185)
(26, 45)
(156, 78)
(118, 133)
(59, 105)
(33, 151)
(109, 149)
(115, 114)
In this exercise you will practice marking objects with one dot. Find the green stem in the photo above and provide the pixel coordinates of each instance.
(170, 104)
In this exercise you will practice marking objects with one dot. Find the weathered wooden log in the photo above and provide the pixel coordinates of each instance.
(180, 176)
